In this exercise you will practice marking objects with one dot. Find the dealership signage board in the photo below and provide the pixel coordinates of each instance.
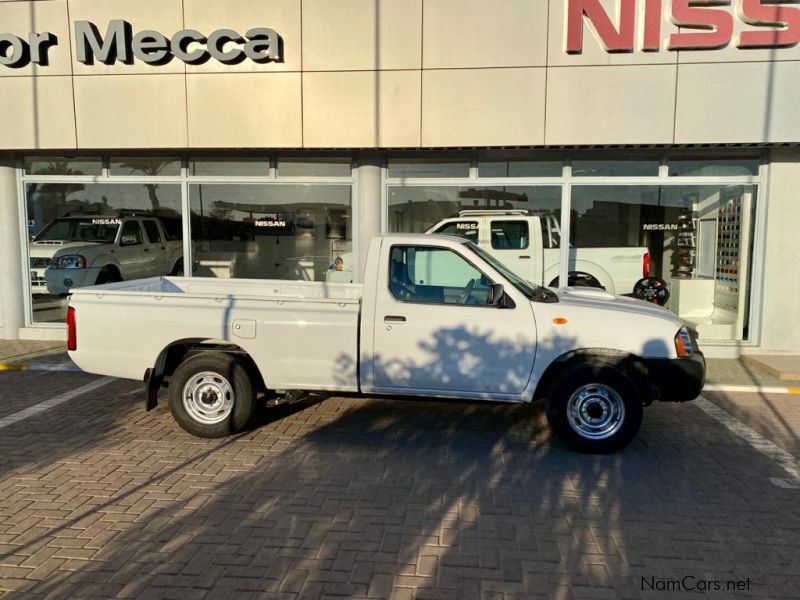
(704, 24)
(121, 44)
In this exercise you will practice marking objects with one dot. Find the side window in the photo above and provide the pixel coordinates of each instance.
(131, 234)
(153, 235)
(435, 276)
(510, 235)
(551, 232)
(466, 229)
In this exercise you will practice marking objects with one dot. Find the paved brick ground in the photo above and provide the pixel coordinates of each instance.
(379, 499)
(775, 416)
(735, 372)
(19, 390)
(18, 350)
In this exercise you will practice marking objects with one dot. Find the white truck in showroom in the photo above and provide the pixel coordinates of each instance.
(528, 244)
(436, 317)
(77, 251)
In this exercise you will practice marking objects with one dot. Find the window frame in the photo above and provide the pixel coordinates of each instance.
(527, 245)
(464, 258)
(138, 225)
(157, 231)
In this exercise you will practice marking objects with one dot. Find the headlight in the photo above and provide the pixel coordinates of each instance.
(683, 343)
(71, 261)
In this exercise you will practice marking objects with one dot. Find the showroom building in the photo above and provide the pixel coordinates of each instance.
(274, 138)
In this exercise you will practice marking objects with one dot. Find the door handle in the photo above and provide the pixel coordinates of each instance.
(394, 319)
(147, 249)
(525, 256)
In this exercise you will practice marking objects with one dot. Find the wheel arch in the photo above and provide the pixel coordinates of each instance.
(175, 353)
(174, 262)
(583, 267)
(106, 262)
(631, 364)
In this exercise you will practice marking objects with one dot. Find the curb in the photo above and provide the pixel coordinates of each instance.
(58, 367)
(752, 389)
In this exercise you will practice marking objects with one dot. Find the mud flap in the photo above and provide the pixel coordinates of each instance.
(154, 379)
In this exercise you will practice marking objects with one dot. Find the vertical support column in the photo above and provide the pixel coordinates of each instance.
(369, 205)
(12, 311)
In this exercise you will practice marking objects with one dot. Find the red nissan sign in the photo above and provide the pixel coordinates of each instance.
(704, 24)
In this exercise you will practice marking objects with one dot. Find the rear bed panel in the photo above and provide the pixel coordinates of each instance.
(122, 328)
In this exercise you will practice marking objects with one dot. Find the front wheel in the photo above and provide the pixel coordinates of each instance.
(595, 408)
(211, 395)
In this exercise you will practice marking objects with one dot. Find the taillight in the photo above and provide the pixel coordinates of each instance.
(72, 333)
(646, 265)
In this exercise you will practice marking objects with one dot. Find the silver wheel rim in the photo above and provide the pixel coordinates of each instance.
(595, 411)
(208, 398)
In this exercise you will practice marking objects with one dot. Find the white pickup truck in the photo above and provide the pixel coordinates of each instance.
(437, 317)
(529, 245)
(86, 250)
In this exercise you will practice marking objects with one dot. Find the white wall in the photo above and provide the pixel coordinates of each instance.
(781, 309)
(389, 74)
(11, 304)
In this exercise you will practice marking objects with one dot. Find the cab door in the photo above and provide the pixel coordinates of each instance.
(435, 331)
(130, 251)
(157, 262)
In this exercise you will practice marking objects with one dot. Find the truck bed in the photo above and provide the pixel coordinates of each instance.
(274, 321)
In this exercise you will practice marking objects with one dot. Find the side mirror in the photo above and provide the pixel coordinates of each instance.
(496, 295)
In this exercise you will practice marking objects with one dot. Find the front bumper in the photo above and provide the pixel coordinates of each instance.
(677, 379)
(57, 278)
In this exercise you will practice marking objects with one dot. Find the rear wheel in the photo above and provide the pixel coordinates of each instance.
(595, 408)
(211, 395)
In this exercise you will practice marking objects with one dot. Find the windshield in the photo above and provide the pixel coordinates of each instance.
(526, 287)
(89, 229)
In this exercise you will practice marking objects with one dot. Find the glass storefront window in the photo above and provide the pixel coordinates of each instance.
(520, 168)
(89, 233)
(615, 168)
(63, 165)
(414, 209)
(495, 218)
(273, 231)
(714, 168)
(698, 238)
(428, 167)
(314, 167)
(229, 167)
(145, 165)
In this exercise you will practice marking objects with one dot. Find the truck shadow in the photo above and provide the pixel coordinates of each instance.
(381, 498)
(451, 500)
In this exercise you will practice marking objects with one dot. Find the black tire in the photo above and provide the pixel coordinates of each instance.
(598, 389)
(226, 381)
(177, 269)
(108, 275)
